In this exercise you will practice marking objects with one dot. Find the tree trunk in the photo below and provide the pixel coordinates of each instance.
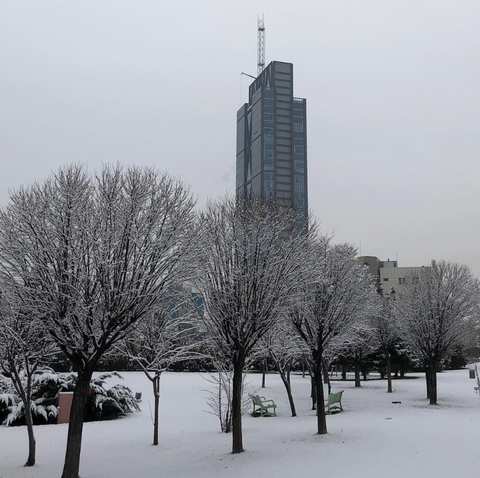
(357, 373)
(289, 369)
(237, 445)
(325, 374)
(344, 372)
(264, 372)
(303, 366)
(326, 378)
(321, 419)
(75, 427)
(433, 384)
(228, 423)
(389, 372)
(288, 388)
(428, 381)
(26, 396)
(156, 394)
(31, 436)
(313, 393)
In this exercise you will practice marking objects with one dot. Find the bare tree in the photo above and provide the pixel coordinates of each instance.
(161, 340)
(93, 255)
(24, 348)
(339, 297)
(283, 345)
(252, 264)
(220, 399)
(435, 309)
(358, 344)
(384, 334)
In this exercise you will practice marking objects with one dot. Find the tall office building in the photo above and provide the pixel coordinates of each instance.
(272, 141)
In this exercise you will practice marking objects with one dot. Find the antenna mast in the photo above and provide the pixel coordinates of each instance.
(260, 44)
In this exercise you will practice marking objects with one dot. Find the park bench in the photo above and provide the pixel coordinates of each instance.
(262, 405)
(334, 403)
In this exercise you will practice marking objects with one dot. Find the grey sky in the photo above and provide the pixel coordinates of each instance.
(392, 88)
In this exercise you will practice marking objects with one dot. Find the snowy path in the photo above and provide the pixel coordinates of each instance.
(372, 438)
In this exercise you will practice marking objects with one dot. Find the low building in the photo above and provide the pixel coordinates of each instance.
(387, 274)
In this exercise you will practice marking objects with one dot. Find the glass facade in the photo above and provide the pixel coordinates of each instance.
(268, 144)
(272, 142)
(299, 160)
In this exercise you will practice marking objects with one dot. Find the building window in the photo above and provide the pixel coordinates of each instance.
(299, 166)
(401, 280)
(300, 184)
(385, 279)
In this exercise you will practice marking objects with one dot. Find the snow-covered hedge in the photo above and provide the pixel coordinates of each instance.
(103, 403)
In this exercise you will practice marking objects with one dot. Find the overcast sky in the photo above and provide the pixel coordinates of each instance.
(392, 88)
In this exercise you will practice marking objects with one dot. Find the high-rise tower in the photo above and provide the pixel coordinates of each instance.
(272, 141)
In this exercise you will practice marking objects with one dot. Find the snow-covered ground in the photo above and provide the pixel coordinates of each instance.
(372, 438)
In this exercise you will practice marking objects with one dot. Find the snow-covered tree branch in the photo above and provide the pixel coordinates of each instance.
(220, 399)
(93, 255)
(252, 263)
(384, 332)
(24, 347)
(336, 300)
(164, 338)
(435, 310)
(283, 345)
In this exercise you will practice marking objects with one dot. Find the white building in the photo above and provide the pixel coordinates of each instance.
(388, 274)
(395, 277)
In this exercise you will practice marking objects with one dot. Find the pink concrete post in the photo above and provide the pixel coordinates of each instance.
(64, 406)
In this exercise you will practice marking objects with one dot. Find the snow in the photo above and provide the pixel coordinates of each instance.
(373, 437)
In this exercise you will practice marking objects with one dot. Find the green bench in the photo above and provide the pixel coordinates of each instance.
(262, 406)
(334, 403)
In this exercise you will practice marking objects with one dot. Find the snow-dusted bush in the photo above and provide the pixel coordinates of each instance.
(6, 385)
(219, 398)
(124, 397)
(7, 402)
(102, 404)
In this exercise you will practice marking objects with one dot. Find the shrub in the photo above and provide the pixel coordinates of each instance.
(102, 404)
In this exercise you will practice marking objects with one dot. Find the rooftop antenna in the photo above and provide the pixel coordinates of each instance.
(246, 74)
(260, 44)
